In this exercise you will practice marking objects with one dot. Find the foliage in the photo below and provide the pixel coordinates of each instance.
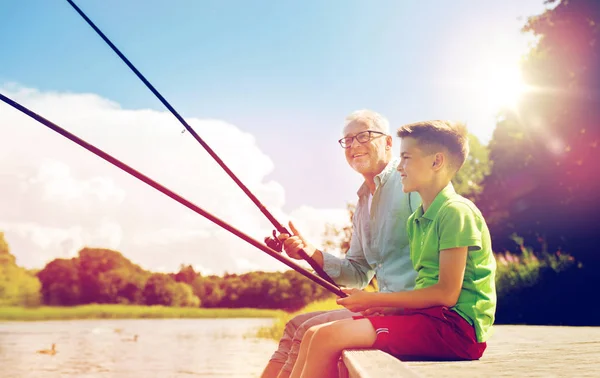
(110, 311)
(106, 276)
(543, 183)
(60, 282)
(5, 255)
(518, 272)
(545, 289)
(18, 287)
(288, 290)
(468, 179)
(161, 289)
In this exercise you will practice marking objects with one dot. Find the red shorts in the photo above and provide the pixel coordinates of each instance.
(435, 333)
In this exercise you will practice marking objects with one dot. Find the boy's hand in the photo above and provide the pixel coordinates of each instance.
(357, 300)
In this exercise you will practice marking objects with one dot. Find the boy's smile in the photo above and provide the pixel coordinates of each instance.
(415, 165)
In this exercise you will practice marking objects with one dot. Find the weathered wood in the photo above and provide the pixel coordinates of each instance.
(372, 363)
(527, 351)
(513, 351)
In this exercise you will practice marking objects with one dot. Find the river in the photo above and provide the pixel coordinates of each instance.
(106, 348)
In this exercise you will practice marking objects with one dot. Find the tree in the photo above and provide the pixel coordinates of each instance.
(106, 276)
(184, 296)
(159, 290)
(213, 293)
(162, 289)
(543, 184)
(186, 274)
(60, 282)
(17, 286)
(5, 256)
(468, 179)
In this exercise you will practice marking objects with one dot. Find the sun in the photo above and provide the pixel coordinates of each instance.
(505, 87)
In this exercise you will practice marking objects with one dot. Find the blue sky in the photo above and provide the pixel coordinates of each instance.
(278, 69)
(286, 73)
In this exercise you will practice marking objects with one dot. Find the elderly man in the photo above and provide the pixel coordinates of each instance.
(379, 244)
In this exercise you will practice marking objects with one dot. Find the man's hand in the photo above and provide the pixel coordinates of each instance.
(357, 300)
(293, 244)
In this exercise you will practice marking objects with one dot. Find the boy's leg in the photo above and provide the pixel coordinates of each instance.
(322, 318)
(280, 356)
(328, 341)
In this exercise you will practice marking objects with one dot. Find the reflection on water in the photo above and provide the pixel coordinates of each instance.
(109, 348)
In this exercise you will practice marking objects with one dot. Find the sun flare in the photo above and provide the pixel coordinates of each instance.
(505, 87)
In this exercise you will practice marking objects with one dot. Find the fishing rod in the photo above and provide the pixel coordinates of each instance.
(274, 243)
(324, 283)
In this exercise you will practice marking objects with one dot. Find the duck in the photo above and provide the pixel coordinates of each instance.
(50, 352)
(134, 339)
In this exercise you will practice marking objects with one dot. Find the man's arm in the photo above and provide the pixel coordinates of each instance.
(353, 270)
(445, 292)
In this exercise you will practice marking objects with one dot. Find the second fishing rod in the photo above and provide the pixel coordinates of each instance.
(119, 164)
(273, 243)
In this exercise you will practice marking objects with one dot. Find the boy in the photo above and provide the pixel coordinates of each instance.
(379, 243)
(449, 314)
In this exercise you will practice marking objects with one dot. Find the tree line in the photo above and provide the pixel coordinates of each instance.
(99, 275)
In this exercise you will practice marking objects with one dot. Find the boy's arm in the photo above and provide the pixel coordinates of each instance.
(445, 292)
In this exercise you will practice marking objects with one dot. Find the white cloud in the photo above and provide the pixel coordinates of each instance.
(56, 198)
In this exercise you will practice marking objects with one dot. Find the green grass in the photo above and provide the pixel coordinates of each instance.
(276, 330)
(107, 311)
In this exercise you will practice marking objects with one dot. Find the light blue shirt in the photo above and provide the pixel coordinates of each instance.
(379, 244)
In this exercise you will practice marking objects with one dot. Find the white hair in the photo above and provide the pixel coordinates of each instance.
(374, 120)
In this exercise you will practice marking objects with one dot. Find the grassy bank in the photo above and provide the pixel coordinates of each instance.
(276, 330)
(106, 311)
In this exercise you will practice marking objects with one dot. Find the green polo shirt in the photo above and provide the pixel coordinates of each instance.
(453, 221)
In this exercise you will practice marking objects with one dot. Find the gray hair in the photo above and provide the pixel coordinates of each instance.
(374, 120)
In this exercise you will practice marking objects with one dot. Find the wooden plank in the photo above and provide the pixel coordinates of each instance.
(372, 363)
(526, 351)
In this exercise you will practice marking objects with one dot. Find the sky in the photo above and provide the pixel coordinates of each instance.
(267, 84)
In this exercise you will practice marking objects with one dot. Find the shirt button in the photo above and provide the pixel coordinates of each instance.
(379, 265)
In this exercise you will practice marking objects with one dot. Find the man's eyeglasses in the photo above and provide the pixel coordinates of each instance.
(362, 137)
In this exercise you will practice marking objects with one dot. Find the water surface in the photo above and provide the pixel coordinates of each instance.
(164, 348)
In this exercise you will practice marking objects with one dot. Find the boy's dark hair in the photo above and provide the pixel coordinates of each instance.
(434, 134)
